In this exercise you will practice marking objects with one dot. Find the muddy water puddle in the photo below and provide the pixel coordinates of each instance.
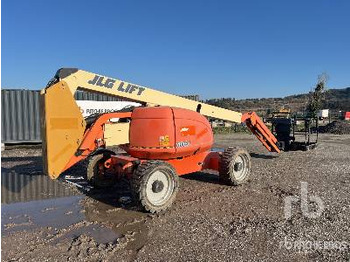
(54, 213)
(131, 224)
(33, 202)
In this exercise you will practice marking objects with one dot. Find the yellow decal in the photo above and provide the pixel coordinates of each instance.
(164, 140)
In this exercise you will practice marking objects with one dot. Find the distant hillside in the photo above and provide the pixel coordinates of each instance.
(335, 99)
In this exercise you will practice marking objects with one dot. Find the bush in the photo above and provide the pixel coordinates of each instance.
(229, 130)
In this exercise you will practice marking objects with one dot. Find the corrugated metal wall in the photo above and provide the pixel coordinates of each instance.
(20, 113)
(20, 116)
(83, 95)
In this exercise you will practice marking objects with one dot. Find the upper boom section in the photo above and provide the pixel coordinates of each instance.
(76, 78)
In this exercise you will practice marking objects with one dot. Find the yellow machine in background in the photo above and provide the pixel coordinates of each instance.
(282, 113)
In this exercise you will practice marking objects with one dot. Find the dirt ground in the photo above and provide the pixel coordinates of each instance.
(44, 220)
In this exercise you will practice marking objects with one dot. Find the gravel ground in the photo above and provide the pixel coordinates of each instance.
(208, 222)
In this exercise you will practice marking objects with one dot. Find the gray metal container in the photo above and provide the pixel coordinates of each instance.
(20, 116)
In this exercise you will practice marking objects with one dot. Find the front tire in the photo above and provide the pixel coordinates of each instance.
(154, 186)
(97, 173)
(235, 166)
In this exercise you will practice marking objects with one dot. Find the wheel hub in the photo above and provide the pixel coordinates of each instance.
(238, 166)
(157, 186)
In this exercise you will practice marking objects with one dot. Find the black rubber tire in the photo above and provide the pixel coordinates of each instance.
(139, 181)
(93, 175)
(227, 165)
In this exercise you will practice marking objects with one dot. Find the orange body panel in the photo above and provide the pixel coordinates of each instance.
(152, 133)
(195, 163)
(193, 132)
(168, 133)
(183, 166)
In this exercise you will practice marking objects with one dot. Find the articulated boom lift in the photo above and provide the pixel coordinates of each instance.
(166, 137)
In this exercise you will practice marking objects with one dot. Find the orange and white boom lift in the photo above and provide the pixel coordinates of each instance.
(167, 137)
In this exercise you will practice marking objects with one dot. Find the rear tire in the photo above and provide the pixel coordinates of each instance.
(97, 173)
(235, 166)
(154, 186)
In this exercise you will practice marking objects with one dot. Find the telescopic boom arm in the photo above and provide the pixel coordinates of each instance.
(75, 79)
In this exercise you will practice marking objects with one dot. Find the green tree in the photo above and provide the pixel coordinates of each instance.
(317, 96)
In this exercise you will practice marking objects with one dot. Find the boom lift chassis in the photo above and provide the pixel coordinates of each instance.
(155, 156)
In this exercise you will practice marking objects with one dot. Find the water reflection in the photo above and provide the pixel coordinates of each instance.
(23, 181)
